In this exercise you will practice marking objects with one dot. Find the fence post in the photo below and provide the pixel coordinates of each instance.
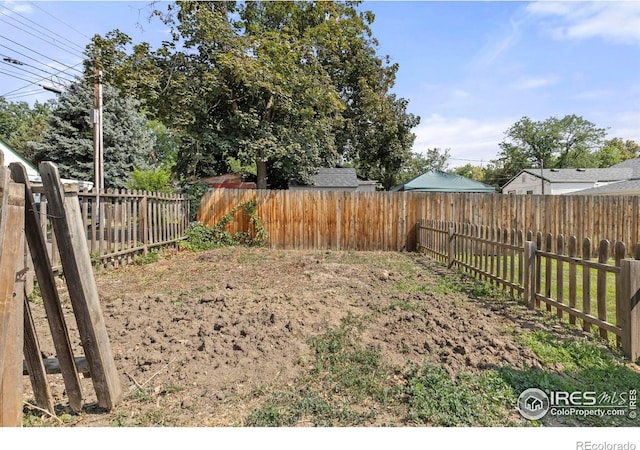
(529, 294)
(452, 247)
(144, 226)
(630, 303)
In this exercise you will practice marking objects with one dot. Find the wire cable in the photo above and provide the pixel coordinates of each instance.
(74, 53)
(59, 20)
(53, 33)
(12, 63)
(31, 83)
(6, 59)
(38, 53)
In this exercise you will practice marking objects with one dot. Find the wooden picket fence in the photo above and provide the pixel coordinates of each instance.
(387, 220)
(120, 224)
(533, 267)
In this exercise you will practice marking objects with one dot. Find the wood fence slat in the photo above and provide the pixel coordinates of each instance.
(560, 272)
(11, 302)
(33, 360)
(586, 283)
(82, 287)
(603, 256)
(573, 291)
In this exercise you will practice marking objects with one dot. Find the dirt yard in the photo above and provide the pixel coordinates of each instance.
(203, 339)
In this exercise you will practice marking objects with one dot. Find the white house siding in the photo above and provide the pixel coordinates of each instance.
(526, 184)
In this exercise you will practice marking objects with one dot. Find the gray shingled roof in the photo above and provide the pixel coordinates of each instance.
(584, 175)
(335, 177)
(633, 163)
(617, 188)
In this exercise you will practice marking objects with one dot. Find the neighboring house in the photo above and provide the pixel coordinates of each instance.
(571, 181)
(337, 179)
(229, 181)
(10, 156)
(439, 181)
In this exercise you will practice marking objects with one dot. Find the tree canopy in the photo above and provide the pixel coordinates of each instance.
(21, 124)
(286, 87)
(128, 142)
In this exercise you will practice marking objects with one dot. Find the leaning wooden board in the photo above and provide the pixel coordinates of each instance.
(66, 219)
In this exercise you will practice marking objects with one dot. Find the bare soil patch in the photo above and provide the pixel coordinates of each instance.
(201, 339)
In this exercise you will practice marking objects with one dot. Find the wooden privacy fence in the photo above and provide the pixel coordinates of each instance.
(119, 224)
(386, 220)
(603, 292)
(19, 345)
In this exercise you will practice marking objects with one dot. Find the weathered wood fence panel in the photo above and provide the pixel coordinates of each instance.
(11, 298)
(536, 269)
(120, 223)
(386, 220)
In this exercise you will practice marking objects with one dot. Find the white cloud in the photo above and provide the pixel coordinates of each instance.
(496, 47)
(469, 140)
(594, 95)
(527, 83)
(624, 125)
(615, 21)
(17, 7)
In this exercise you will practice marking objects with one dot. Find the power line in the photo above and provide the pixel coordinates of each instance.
(31, 83)
(59, 20)
(53, 33)
(17, 65)
(24, 94)
(33, 59)
(72, 52)
(38, 53)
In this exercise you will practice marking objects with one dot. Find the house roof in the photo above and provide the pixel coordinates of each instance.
(439, 181)
(633, 163)
(337, 177)
(10, 156)
(629, 187)
(582, 175)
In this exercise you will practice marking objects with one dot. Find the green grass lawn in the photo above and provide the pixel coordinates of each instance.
(551, 286)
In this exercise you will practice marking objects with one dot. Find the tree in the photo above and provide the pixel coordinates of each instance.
(470, 171)
(128, 142)
(614, 151)
(552, 143)
(20, 124)
(419, 163)
(287, 87)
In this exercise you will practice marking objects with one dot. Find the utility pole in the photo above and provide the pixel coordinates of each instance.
(98, 153)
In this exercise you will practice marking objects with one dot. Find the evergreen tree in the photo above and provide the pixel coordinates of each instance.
(128, 141)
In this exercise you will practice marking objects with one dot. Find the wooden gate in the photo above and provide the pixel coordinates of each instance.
(18, 335)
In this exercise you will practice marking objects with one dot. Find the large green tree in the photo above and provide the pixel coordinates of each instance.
(286, 87)
(128, 142)
(552, 143)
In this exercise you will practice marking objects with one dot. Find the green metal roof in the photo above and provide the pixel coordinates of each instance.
(438, 181)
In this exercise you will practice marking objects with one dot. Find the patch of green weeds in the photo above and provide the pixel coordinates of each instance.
(151, 257)
(575, 365)
(406, 306)
(343, 376)
(470, 400)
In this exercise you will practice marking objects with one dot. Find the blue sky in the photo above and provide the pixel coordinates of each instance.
(469, 69)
